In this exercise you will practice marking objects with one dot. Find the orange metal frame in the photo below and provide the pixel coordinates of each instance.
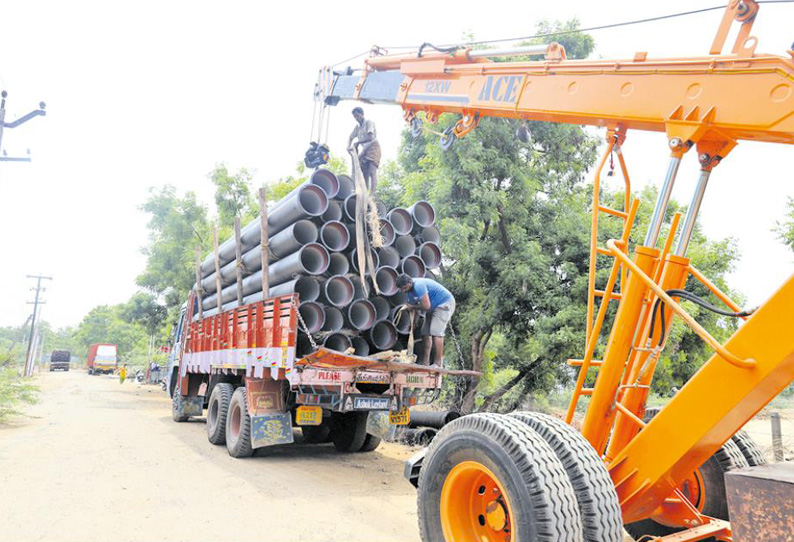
(709, 103)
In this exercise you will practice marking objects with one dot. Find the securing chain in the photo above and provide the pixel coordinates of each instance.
(306, 331)
(457, 344)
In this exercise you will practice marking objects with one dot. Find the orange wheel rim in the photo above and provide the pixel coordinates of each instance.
(475, 506)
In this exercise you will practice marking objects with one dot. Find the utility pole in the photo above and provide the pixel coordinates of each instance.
(36, 303)
(3, 125)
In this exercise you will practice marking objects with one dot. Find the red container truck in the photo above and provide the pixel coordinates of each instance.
(102, 358)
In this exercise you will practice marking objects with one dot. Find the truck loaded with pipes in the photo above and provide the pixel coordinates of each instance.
(310, 335)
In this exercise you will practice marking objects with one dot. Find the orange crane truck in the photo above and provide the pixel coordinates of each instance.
(528, 477)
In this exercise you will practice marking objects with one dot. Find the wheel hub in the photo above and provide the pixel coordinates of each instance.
(496, 515)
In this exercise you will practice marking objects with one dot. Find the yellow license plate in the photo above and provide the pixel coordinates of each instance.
(400, 417)
(309, 415)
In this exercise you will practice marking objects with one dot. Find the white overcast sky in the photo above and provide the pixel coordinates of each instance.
(145, 93)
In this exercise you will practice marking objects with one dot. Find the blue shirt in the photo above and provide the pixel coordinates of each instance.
(437, 293)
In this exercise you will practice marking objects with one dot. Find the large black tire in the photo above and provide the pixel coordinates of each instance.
(750, 450)
(175, 400)
(316, 434)
(349, 431)
(714, 500)
(595, 491)
(535, 488)
(238, 426)
(371, 443)
(217, 411)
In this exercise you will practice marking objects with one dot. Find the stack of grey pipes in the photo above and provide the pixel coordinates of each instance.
(312, 252)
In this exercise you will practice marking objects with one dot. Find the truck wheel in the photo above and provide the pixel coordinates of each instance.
(349, 431)
(595, 491)
(238, 426)
(216, 412)
(705, 488)
(175, 403)
(371, 443)
(316, 434)
(750, 450)
(489, 477)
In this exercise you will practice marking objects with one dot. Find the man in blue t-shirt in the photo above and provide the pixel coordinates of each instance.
(439, 305)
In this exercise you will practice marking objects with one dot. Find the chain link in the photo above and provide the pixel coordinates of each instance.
(306, 331)
(457, 344)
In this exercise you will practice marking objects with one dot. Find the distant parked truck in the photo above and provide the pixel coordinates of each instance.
(102, 358)
(59, 360)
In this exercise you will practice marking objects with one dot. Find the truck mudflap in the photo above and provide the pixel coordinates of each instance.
(413, 466)
(185, 405)
(271, 429)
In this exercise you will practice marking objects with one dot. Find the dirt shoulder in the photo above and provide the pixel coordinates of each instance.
(101, 461)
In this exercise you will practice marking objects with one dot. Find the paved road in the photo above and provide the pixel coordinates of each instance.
(101, 461)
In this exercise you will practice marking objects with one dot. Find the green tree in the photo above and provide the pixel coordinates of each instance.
(785, 229)
(176, 226)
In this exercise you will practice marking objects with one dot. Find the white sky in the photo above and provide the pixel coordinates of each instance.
(147, 93)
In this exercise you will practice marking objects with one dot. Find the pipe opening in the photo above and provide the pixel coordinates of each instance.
(334, 236)
(405, 245)
(386, 279)
(430, 234)
(398, 299)
(346, 186)
(413, 266)
(401, 221)
(423, 214)
(350, 208)
(337, 342)
(334, 320)
(304, 232)
(361, 314)
(382, 307)
(383, 335)
(334, 212)
(386, 232)
(314, 259)
(327, 181)
(361, 346)
(403, 323)
(307, 288)
(381, 208)
(338, 291)
(338, 264)
(388, 256)
(312, 199)
(354, 259)
(430, 255)
(313, 314)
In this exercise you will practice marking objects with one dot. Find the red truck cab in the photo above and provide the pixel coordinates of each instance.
(102, 358)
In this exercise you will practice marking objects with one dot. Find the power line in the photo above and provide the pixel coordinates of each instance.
(593, 28)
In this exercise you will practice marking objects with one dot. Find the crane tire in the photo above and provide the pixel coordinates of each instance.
(715, 501)
(217, 412)
(595, 491)
(484, 474)
(349, 431)
(750, 450)
(371, 443)
(238, 426)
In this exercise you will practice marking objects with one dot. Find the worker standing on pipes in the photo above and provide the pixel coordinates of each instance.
(366, 138)
(439, 306)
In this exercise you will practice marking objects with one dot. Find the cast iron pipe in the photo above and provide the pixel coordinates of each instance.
(405, 245)
(430, 255)
(383, 335)
(423, 214)
(413, 266)
(386, 279)
(313, 314)
(430, 234)
(346, 187)
(388, 256)
(361, 346)
(338, 265)
(419, 436)
(334, 320)
(334, 236)
(401, 221)
(386, 232)
(336, 291)
(435, 419)
(334, 212)
(360, 315)
(337, 342)
(353, 257)
(403, 323)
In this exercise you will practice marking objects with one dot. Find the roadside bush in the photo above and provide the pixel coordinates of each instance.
(14, 390)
